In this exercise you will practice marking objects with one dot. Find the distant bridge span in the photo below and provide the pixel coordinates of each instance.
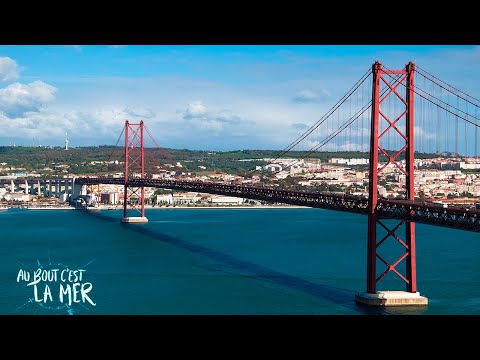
(452, 217)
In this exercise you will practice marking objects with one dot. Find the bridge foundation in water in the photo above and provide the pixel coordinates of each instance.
(134, 219)
(391, 298)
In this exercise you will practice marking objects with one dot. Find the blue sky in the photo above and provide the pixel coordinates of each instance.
(211, 97)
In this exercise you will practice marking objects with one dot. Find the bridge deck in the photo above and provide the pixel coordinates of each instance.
(452, 217)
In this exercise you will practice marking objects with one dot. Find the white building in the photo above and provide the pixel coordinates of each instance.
(160, 175)
(273, 167)
(349, 161)
(165, 199)
(382, 191)
(18, 197)
(225, 200)
(358, 161)
(186, 198)
(464, 165)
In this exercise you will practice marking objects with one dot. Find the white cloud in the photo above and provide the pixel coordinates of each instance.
(209, 125)
(17, 99)
(199, 123)
(210, 120)
(266, 111)
(305, 96)
(8, 69)
(300, 126)
(228, 116)
(140, 112)
(98, 126)
(195, 109)
(344, 146)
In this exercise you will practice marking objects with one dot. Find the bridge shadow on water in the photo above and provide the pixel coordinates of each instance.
(342, 297)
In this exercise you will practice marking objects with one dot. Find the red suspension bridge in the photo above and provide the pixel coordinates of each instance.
(392, 112)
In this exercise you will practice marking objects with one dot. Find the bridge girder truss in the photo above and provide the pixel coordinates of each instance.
(410, 211)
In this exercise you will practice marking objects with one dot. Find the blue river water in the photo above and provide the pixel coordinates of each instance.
(219, 261)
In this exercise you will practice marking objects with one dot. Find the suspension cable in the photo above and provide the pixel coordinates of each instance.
(345, 125)
(323, 118)
(460, 91)
(113, 150)
(444, 108)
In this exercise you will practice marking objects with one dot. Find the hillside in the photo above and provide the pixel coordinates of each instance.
(79, 160)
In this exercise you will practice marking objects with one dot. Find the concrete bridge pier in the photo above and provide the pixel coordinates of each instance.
(134, 219)
(78, 190)
(391, 298)
(68, 189)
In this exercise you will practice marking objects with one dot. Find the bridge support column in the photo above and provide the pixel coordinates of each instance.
(68, 189)
(77, 190)
(400, 85)
(134, 196)
(73, 194)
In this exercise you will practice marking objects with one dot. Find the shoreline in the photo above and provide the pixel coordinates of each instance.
(207, 207)
(106, 207)
(45, 208)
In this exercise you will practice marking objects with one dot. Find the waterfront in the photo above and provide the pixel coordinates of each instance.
(224, 261)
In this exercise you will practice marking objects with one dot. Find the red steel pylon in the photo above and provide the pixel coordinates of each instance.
(134, 197)
(388, 83)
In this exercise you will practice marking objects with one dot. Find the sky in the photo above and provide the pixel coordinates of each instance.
(199, 97)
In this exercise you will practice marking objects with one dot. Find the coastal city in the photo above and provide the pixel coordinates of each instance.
(444, 180)
(239, 179)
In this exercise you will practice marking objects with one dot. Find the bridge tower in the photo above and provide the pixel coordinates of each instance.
(391, 86)
(134, 197)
